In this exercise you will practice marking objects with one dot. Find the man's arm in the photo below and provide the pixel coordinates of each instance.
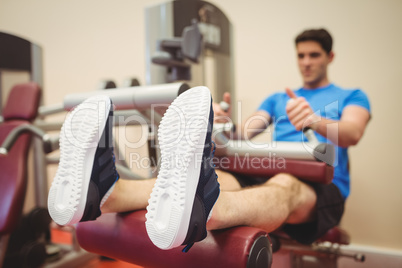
(345, 132)
(348, 130)
(254, 125)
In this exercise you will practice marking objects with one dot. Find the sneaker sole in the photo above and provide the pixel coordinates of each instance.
(79, 138)
(182, 134)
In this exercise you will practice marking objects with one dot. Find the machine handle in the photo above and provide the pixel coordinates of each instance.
(49, 144)
(310, 135)
(324, 152)
(224, 106)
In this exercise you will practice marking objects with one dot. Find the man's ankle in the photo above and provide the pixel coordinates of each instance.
(108, 206)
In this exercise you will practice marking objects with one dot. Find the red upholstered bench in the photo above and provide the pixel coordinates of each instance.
(308, 170)
(336, 235)
(123, 236)
(20, 109)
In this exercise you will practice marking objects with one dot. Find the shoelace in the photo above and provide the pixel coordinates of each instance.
(213, 151)
(187, 248)
(114, 165)
(213, 155)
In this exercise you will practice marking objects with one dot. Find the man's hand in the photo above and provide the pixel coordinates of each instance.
(299, 112)
(220, 115)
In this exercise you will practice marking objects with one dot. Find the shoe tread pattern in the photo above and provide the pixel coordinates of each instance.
(79, 136)
(181, 135)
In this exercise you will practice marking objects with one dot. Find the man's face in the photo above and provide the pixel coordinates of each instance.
(313, 62)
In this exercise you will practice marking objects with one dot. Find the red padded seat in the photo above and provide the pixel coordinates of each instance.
(23, 102)
(123, 236)
(21, 108)
(12, 178)
(336, 235)
(314, 171)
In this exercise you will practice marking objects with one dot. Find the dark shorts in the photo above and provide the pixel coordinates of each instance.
(330, 207)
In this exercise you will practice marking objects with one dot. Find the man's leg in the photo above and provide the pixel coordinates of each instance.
(282, 199)
(129, 195)
(227, 181)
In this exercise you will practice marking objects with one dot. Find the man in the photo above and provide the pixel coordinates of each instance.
(305, 210)
(181, 198)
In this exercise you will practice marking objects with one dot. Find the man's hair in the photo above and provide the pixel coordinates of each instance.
(321, 36)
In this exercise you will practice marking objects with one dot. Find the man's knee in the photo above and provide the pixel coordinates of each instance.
(302, 203)
(285, 180)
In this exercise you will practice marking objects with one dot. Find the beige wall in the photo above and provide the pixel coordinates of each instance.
(85, 41)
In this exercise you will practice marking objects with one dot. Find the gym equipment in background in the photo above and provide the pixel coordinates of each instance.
(190, 41)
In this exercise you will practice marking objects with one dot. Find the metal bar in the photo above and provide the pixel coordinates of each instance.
(48, 126)
(16, 132)
(140, 97)
(309, 151)
(41, 187)
(50, 109)
(288, 150)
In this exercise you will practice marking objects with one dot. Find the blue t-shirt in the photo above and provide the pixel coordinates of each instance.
(329, 102)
